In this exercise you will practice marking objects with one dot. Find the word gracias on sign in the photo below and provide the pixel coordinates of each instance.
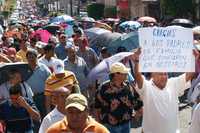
(163, 32)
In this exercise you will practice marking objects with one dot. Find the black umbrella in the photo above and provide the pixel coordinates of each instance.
(182, 22)
(103, 40)
(94, 32)
(52, 28)
(23, 68)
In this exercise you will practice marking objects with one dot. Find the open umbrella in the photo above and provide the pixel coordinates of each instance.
(103, 25)
(87, 19)
(129, 41)
(103, 40)
(12, 34)
(44, 35)
(147, 19)
(102, 69)
(130, 25)
(183, 22)
(23, 68)
(115, 20)
(17, 25)
(87, 22)
(52, 28)
(62, 19)
(94, 32)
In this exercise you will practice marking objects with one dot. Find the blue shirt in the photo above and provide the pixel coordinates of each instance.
(89, 56)
(17, 119)
(60, 51)
(80, 69)
(38, 78)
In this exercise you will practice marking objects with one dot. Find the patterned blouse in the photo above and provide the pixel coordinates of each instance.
(116, 104)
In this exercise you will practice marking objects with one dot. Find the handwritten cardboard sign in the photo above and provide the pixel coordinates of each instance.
(166, 49)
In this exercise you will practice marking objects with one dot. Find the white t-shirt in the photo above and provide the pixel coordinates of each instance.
(195, 124)
(51, 118)
(50, 64)
(161, 106)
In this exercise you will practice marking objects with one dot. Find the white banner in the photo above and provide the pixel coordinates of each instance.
(166, 49)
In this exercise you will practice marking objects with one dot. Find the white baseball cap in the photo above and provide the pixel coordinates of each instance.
(58, 66)
(40, 44)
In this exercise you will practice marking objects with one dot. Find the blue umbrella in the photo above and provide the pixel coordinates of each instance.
(130, 25)
(62, 19)
(129, 41)
(87, 19)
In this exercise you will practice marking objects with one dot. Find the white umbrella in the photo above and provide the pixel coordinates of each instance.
(103, 68)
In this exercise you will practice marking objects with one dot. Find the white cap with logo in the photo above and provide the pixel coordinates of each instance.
(58, 66)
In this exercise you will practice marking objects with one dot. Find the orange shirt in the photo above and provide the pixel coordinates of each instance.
(92, 127)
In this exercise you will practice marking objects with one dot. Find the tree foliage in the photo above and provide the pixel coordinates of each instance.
(95, 10)
(110, 12)
(178, 8)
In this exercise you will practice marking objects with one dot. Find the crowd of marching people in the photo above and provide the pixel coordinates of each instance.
(59, 97)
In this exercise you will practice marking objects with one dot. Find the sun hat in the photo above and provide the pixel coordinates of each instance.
(119, 68)
(78, 101)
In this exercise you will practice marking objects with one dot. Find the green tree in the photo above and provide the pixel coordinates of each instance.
(178, 8)
(5, 14)
(95, 10)
(110, 12)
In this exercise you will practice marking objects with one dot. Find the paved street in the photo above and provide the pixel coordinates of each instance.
(184, 117)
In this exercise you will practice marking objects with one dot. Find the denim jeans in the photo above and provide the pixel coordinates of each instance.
(123, 128)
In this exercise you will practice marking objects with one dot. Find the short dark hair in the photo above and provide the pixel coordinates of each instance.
(13, 71)
(31, 51)
(48, 47)
(111, 76)
(121, 49)
(78, 31)
(16, 89)
(104, 50)
(33, 40)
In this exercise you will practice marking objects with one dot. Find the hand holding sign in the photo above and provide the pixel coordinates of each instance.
(135, 56)
(166, 50)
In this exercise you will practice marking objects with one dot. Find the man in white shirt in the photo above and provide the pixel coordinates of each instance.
(160, 98)
(195, 124)
(48, 59)
(57, 114)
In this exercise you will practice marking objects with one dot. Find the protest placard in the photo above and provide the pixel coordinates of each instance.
(166, 49)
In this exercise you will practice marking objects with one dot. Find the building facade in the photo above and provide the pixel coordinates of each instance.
(134, 8)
